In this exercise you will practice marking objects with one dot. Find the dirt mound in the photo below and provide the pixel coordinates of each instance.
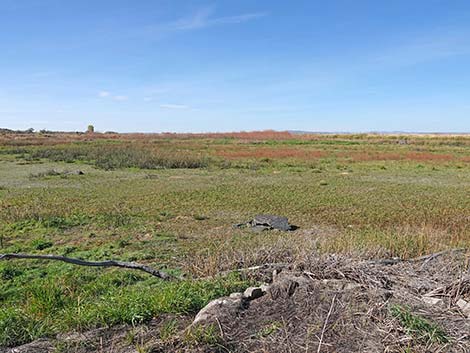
(295, 312)
(330, 304)
(341, 305)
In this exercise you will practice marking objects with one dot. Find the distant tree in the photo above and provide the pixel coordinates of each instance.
(90, 129)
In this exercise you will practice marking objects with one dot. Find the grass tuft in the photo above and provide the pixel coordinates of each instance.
(418, 327)
(84, 299)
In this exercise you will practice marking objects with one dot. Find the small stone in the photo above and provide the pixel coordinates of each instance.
(275, 274)
(264, 287)
(464, 306)
(236, 295)
(252, 293)
(432, 300)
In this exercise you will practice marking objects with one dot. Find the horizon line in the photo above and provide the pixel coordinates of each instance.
(292, 132)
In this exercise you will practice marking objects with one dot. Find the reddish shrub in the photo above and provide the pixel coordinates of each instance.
(271, 153)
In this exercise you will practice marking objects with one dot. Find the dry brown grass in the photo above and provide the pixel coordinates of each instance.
(215, 254)
(219, 255)
(48, 139)
(396, 156)
(53, 138)
(272, 153)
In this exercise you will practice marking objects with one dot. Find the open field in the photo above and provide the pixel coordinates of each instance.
(171, 200)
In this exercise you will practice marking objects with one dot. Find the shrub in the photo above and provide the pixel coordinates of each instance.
(114, 157)
(41, 244)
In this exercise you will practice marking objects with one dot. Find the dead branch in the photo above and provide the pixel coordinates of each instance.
(425, 258)
(451, 290)
(267, 267)
(326, 323)
(428, 258)
(109, 263)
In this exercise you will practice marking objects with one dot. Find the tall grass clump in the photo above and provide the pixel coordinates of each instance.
(139, 158)
(114, 157)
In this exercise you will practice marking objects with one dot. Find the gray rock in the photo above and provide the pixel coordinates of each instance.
(230, 305)
(464, 306)
(271, 221)
(252, 293)
(267, 222)
(217, 308)
(259, 229)
(264, 287)
(432, 300)
(236, 295)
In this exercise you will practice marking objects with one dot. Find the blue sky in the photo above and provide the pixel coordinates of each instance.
(161, 65)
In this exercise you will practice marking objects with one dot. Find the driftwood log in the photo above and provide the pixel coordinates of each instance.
(163, 275)
(109, 263)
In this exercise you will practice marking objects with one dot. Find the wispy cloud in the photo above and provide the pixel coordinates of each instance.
(203, 18)
(103, 94)
(174, 106)
(432, 47)
(108, 95)
(200, 19)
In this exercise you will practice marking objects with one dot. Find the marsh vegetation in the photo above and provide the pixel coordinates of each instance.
(171, 201)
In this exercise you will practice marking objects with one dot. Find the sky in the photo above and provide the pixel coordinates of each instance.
(200, 66)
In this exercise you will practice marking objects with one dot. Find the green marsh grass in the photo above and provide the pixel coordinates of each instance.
(362, 195)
